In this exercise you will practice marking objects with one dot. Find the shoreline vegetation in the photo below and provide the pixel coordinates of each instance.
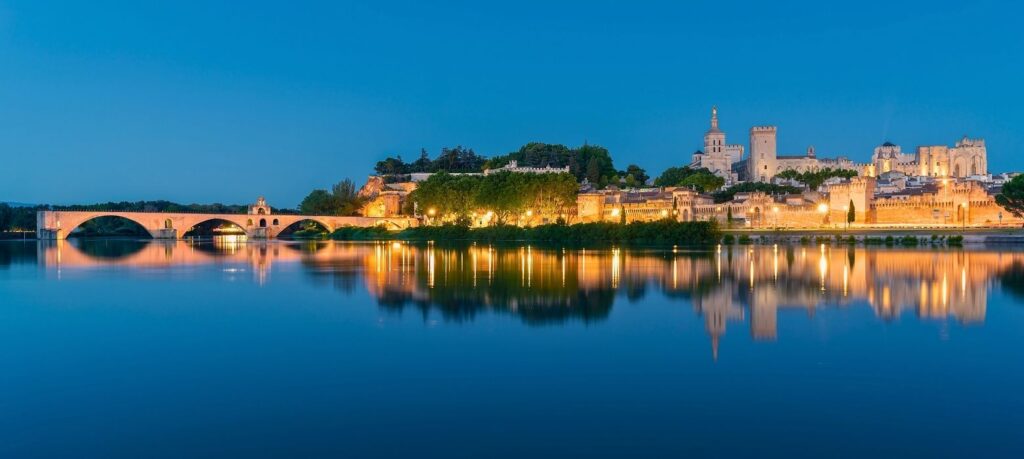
(659, 232)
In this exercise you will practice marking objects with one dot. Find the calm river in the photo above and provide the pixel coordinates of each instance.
(231, 349)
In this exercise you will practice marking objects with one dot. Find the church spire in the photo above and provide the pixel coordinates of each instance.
(714, 117)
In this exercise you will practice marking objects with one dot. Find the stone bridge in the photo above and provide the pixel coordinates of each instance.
(58, 224)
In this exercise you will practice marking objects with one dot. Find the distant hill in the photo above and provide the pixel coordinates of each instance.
(18, 204)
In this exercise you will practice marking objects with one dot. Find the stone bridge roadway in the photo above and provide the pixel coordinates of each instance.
(57, 224)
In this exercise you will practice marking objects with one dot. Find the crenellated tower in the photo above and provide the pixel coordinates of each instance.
(762, 164)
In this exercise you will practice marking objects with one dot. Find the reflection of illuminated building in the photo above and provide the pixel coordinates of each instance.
(550, 286)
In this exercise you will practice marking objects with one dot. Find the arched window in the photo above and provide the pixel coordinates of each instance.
(249, 222)
(276, 222)
(263, 223)
(168, 224)
(261, 211)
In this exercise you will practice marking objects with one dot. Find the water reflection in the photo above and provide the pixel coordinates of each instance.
(727, 286)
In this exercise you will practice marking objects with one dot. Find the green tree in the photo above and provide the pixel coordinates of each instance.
(727, 194)
(423, 164)
(391, 166)
(451, 197)
(638, 174)
(728, 216)
(6, 217)
(703, 181)
(814, 179)
(672, 176)
(593, 171)
(504, 194)
(343, 199)
(622, 215)
(319, 202)
(1011, 197)
(347, 198)
(550, 194)
(851, 214)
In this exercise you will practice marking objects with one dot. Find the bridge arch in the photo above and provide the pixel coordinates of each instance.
(69, 226)
(289, 225)
(207, 224)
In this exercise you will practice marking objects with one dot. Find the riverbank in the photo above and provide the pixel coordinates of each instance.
(970, 236)
(662, 232)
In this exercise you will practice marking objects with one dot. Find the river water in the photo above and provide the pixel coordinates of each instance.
(226, 348)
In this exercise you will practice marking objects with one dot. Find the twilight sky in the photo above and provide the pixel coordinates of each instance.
(205, 101)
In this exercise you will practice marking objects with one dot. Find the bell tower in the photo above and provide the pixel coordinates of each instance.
(260, 207)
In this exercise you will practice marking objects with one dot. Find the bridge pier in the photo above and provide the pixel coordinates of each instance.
(49, 234)
(163, 233)
(258, 233)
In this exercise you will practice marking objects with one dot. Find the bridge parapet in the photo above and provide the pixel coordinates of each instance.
(58, 224)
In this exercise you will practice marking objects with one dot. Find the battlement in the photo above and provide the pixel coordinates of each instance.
(968, 142)
(763, 130)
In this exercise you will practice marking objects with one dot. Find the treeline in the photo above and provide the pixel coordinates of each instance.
(456, 198)
(18, 218)
(700, 179)
(814, 179)
(456, 159)
(653, 233)
(590, 162)
(727, 194)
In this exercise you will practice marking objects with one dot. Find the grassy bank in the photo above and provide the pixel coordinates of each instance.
(655, 233)
(906, 240)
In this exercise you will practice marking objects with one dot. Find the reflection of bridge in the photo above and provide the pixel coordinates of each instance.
(257, 224)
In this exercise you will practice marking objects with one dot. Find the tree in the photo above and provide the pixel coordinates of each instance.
(672, 176)
(6, 217)
(728, 216)
(391, 166)
(451, 197)
(638, 174)
(746, 187)
(1011, 197)
(343, 199)
(424, 164)
(622, 215)
(504, 194)
(703, 181)
(851, 214)
(814, 179)
(593, 171)
(319, 202)
(346, 198)
(550, 194)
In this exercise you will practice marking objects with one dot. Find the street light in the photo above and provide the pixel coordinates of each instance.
(775, 212)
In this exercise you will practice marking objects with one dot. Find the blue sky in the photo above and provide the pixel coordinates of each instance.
(223, 101)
